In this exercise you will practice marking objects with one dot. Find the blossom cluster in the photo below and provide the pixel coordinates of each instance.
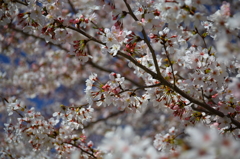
(42, 135)
(113, 92)
(133, 78)
(199, 142)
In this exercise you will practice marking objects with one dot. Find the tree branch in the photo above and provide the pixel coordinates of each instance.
(91, 154)
(72, 7)
(104, 119)
(170, 62)
(37, 37)
(130, 10)
(109, 71)
(21, 2)
(157, 75)
(91, 38)
(146, 40)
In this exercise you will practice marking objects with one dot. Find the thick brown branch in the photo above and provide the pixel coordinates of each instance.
(130, 10)
(130, 58)
(157, 75)
(146, 39)
(86, 35)
(176, 89)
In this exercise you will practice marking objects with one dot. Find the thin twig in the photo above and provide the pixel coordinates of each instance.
(104, 119)
(37, 37)
(152, 51)
(91, 154)
(72, 7)
(21, 2)
(109, 71)
(170, 63)
(203, 95)
(201, 37)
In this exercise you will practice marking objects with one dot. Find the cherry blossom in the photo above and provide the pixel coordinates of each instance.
(119, 79)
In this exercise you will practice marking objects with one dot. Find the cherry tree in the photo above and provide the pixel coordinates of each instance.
(147, 79)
